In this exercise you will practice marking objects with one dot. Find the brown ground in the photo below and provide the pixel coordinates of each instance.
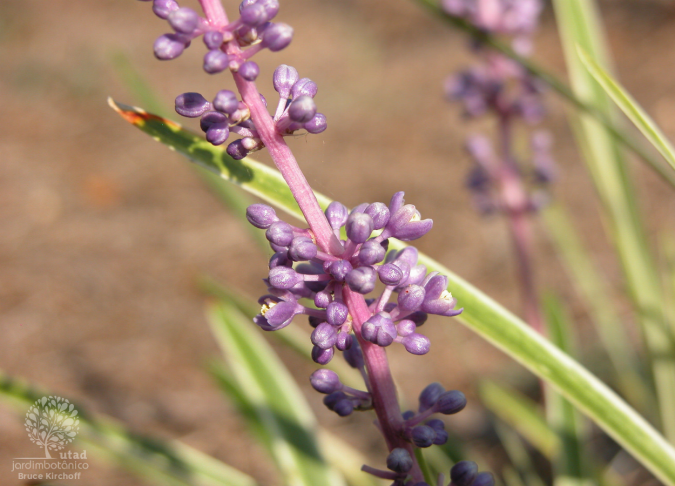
(104, 231)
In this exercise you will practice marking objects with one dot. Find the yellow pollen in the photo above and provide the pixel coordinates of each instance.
(266, 307)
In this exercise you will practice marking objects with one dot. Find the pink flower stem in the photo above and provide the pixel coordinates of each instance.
(215, 13)
(382, 387)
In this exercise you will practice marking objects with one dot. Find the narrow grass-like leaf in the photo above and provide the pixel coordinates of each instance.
(521, 414)
(161, 462)
(579, 25)
(630, 107)
(279, 405)
(481, 313)
(515, 449)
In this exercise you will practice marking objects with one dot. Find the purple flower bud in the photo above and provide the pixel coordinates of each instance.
(184, 20)
(464, 473)
(405, 327)
(436, 424)
(361, 208)
(277, 37)
(336, 214)
(423, 436)
(322, 299)
(169, 46)
(406, 224)
(404, 268)
(280, 315)
(304, 87)
(271, 7)
(411, 297)
(226, 101)
(399, 460)
(416, 276)
(339, 269)
(280, 259)
(429, 396)
(484, 479)
(236, 150)
(284, 277)
(191, 105)
(336, 313)
(379, 329)
(408, 415)
(418, 317)
(211, 118)
(322, 356)
(344, 407)
(332, 398)
(417, 344)
(249, 71)
(396, 202)
(280, 233)
(325, 381)
(217, 133)
(451, 402)
(361, 280)
(302, 109)
(380, 214)
(441, 437)
(437, 299)
(353, 355)
(261, 215)
(317, 124)
(390, 274)
(371, 252)
(254, 15)
(284, 78)
(163, 8)
(302, 248)
(324, 336)
(315, 321)
(344, 341)
(213, 39)
(359, 227)
(409, 255)
(215, 61)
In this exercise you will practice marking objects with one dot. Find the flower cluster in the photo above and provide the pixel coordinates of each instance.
(298, 269)
(226, 114)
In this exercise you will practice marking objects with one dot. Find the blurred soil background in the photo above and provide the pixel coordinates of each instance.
(104, 232)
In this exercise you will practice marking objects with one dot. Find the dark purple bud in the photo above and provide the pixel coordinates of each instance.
(322, 299)
(359, 227)
(405, 327)
(184, 20)
(322, 356)
(380, 214)
(410, 297)
(211, 118)
(344, 341)
(217, 133)
(226, 101)
(280, 315)
(361, 280)
(399, 460)
(484, 479)
(336, 214)
(451, 402)
(332, 398)
(336, 313)
(379, 329)
(302, 248)
(163, 8)
(304, 87)
(441, 437)
(315, 321)
(418, 317)
(317, 124)
(464, 473)
(406, 224)
(324, 336)
(280, 233)
(390, 274)
(280, 259)
(416, 344)
(421, 483)
(423, 436)
(283, 80)
(277, 37)
(408, 415)
(302, 109)
(353, 355)
(191, 105)
(339, 269)
(254, 15)
(261, 215)
(429, 396)
(236, 150)
(325, 381)
(213, 39)
(169, 46)
(436, 424)
(344, 407)
(371, 252)
(284, 278)
(215, 61)
(249, 71)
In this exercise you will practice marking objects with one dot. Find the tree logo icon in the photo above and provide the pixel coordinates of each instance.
(52, 423)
